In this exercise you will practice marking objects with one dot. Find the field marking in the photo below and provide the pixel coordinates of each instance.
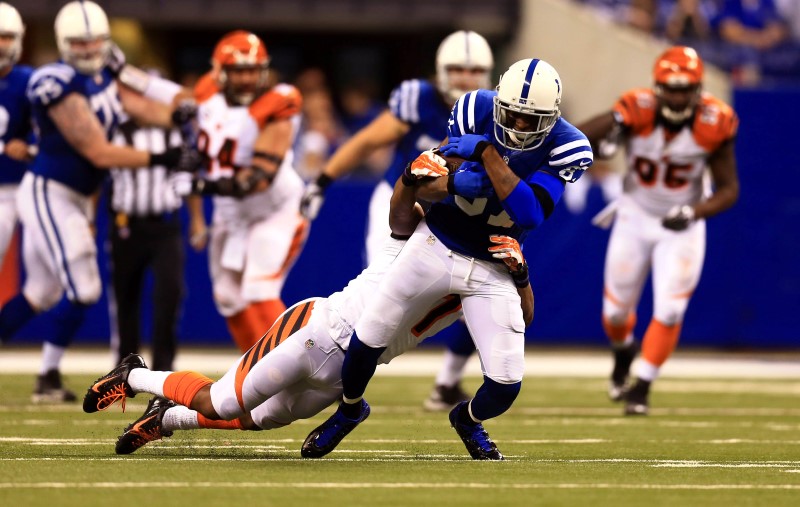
(389, 485)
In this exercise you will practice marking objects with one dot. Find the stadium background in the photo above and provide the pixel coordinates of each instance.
(750, 289)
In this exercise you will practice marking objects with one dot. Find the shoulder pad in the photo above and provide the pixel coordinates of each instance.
(637, 110)
(279, 102)
(49, 84)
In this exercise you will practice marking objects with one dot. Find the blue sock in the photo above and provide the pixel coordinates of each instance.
(493, 398)
(15, 314)
(358, 367)
(460, 342)
(68, 317)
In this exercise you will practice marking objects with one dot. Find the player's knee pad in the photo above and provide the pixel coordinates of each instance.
(228, 304)
(267, 423)
(670, 311)
(40, 296)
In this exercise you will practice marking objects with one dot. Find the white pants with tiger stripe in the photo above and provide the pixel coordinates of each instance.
(58, 244)
(639, 243)
(293, 372)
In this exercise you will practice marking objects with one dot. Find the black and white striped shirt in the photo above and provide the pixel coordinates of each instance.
(141, 192)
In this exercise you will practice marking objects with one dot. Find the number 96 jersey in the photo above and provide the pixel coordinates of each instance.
(666, 168)
(227, 136)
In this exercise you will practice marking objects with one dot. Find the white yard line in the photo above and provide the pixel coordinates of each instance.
(388, 485)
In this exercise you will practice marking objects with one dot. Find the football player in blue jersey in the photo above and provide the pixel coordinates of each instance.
(14, 120)
(516, 136)
(415, 121)
(76, 105)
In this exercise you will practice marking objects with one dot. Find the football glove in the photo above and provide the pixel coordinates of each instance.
(509, 251)
(179, 158)
(314, 197)
(470, 181)
(468, 146)
(428, 164)
(184, 112)
(678, 218)
(116, 59)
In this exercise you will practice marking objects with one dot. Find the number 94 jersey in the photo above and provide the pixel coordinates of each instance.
(227, 137)
(666, 169)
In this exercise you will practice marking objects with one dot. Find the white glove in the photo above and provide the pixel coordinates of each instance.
(181, 183)
(314, 196)
(678, 218)
(429, 164)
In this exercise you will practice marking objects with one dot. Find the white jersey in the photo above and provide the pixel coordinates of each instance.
(667, 169)
(228, 135)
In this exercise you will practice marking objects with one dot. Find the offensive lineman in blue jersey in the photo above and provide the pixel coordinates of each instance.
(76, 105)
(515, 136)
(414, 122)
(15, 124)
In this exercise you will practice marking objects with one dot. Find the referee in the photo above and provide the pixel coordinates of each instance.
(145, 233)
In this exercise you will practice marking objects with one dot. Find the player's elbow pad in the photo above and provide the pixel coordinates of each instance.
(528, 205)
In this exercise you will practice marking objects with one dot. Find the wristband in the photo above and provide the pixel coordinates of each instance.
(161, 90)
(451, 184)
(521, 277)
(324, 181)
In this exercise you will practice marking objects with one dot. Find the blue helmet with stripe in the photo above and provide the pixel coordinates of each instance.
(526, 106)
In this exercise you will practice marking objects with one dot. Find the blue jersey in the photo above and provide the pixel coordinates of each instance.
(15, 119)
(417, 103)
(57, 159)
(464, 225)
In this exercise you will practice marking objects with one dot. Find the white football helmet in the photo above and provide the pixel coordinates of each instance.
(530, 90)
(83, 22)
(467, 51)
(10, 25)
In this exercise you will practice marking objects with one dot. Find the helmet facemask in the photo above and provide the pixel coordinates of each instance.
(505, 119)
(88, 56)
(241, 89)
(667, 108)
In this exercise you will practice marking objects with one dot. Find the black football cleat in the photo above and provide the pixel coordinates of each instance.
(623, 358)
(327, 435)
(636, 398)
(113, 386)
(50, 389)
(147, 428)
(445, 398)
(475, 438)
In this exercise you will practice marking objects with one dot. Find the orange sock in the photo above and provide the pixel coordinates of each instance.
(269, 311)
(659, 341)
(204, 422)
(246, 327)
(182, 386)
(617, 333)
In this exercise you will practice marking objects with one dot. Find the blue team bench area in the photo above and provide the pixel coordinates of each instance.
(747, 298)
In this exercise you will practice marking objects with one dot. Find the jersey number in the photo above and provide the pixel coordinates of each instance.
(648, 173)
(476, 206)
(224, 156)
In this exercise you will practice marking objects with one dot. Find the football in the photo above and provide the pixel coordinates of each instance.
(452, 163)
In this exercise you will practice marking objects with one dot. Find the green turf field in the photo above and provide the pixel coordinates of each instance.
(707, 442)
